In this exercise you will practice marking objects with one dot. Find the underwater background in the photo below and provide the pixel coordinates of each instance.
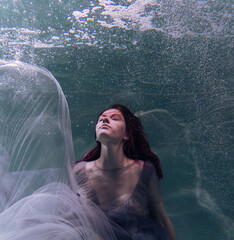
(170, 62)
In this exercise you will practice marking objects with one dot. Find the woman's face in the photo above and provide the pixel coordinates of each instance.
(111, 127)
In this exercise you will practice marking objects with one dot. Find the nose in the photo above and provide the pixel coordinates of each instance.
(105, 120)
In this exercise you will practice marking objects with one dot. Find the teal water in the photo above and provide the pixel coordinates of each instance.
(170, 62)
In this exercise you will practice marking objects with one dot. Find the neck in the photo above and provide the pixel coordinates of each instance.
(112, 156)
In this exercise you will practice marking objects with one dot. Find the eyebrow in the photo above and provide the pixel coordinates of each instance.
(115, 114)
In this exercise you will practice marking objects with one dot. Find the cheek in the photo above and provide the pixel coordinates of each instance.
(122, 129)
(96, 130)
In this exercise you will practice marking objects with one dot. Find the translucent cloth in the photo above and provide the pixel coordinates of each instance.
(37, 197)
(125, 195)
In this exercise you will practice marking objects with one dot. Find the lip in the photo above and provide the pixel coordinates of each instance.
(104, 126)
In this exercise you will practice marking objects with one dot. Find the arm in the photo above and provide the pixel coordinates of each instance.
(157, 208)
(161, 215)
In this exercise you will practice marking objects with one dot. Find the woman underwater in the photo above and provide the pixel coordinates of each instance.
(38, 197)
(121, 175)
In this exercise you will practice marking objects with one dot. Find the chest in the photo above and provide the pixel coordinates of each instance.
(112, 187)
(124, 191)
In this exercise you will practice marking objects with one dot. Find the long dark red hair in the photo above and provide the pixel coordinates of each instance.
(136, 148)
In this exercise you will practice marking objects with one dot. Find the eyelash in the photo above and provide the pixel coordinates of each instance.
(116, 119)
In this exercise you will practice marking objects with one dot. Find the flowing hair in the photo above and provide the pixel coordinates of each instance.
(136, 147)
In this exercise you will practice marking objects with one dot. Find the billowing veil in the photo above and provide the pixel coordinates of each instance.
(38, 197)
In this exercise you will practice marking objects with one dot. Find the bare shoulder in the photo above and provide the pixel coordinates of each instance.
(89, 167)
(146, 163)
(78, 167)
(141, 162)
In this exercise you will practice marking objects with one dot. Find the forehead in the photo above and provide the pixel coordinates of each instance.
(111, 112)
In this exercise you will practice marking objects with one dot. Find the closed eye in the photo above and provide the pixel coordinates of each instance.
(116, 119)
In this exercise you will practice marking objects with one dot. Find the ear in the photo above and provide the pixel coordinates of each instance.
(126, 138)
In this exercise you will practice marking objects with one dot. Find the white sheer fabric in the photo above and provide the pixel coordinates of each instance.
(37, 200)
